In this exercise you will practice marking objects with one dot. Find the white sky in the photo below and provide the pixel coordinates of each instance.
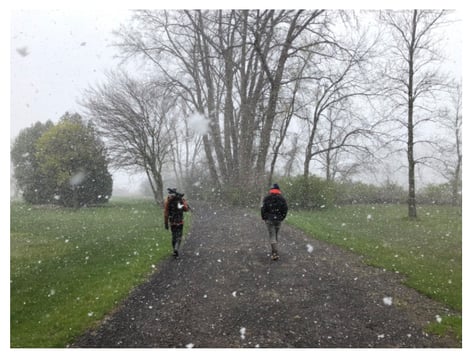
(67, 51)
(54, 56)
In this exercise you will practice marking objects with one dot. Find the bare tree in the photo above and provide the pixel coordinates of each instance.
(186, 146)
(284, 119)
(298, 22)
(449, 161)
(229, 66)
(134, 118)
(413, 75)
(457, 128)
(291, 156)
(336, 80)
(166, 40)
(344, 141)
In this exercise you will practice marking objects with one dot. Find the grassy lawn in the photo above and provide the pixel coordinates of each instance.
(427, 250)
(71, 267)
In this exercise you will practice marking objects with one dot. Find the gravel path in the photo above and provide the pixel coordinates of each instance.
(225, 292)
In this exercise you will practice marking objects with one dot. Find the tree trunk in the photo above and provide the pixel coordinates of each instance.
(412, 208)
(212, 113)
(458, 146)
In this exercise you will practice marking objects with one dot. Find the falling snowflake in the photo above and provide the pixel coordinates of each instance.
(77, 178)
(234, 294)
(23, 51)
(438, 319)
(199, 124)
(369, 217)
(190, 345)
(309, 248)
(387, 301)
(90, 314)
(242, 331)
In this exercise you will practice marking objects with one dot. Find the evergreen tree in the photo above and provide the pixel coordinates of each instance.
(72, 159)
(26, 172)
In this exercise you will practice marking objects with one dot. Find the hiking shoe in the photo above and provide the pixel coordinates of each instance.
(175, 253)
(274, 256)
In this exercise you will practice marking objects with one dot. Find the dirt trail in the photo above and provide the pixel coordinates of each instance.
(225, 292)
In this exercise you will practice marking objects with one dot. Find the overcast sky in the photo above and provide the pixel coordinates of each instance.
(56, 54)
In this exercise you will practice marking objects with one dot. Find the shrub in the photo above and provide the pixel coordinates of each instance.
(308, 193)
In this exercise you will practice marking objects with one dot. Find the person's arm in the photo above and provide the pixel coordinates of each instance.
(262, 210)
(285, 208)
(185, 206)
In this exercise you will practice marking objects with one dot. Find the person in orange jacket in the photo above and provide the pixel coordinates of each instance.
(175, 206)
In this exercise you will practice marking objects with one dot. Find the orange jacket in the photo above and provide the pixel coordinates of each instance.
(185, 207)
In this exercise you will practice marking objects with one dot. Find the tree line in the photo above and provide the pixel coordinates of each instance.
(232, 99)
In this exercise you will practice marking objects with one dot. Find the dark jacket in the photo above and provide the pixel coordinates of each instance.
(274, 207)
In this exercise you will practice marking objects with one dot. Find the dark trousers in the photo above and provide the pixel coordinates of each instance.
(176, 235)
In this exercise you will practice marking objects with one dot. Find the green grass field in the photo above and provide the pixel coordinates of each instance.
(428, 251)
(71, 267)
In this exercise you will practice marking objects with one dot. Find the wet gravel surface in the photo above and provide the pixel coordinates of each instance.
(224, 291)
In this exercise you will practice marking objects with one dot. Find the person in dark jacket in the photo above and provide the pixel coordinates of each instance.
(274, 211)
(175, 206)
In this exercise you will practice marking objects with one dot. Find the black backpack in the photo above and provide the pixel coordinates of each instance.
(175, 210)
(275, 207)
